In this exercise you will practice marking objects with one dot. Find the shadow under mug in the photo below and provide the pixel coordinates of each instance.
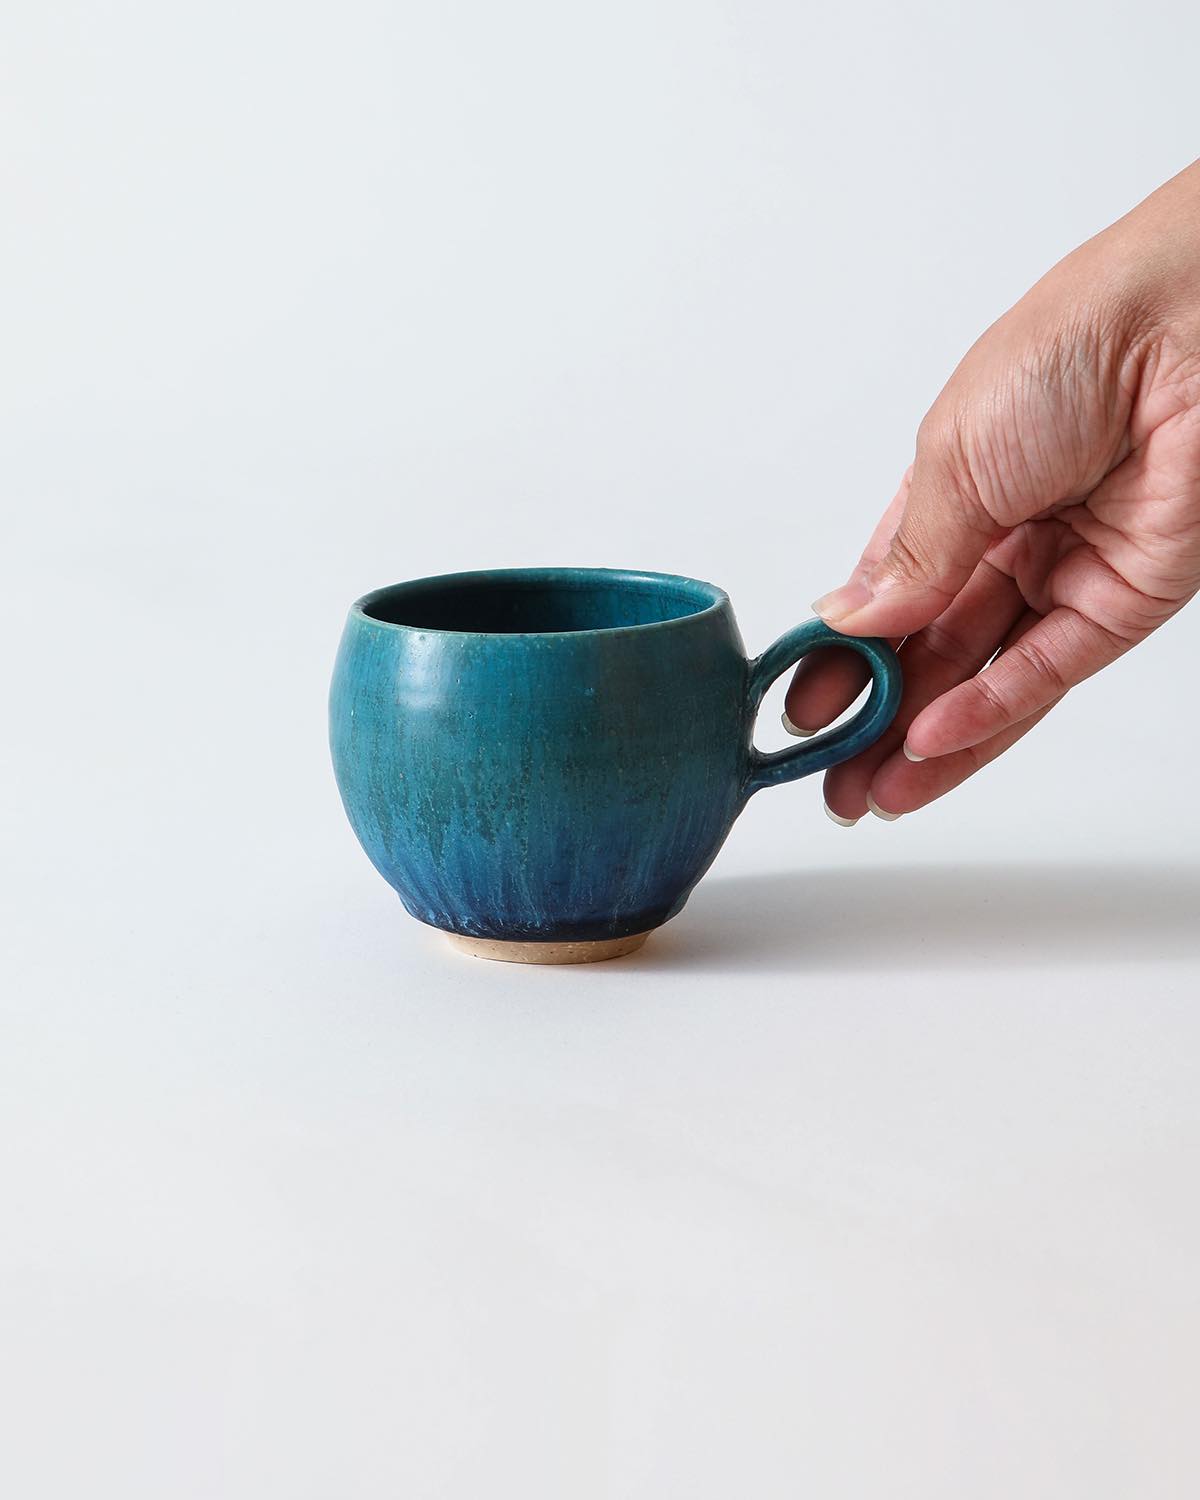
(544, 761)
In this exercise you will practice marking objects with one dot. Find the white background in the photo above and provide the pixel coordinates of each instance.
(875, 1174)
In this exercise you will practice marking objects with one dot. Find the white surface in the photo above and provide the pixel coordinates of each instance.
(874, 1175)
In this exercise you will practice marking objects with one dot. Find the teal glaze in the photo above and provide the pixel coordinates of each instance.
(559, 753)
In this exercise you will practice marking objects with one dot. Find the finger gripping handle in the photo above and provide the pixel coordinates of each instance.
(770, 768)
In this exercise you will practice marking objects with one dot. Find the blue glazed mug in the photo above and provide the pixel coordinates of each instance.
(544, 761)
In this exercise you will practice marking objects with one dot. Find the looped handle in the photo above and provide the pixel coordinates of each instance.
(770, 768)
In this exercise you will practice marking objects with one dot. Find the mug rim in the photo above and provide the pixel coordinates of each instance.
(716, 599)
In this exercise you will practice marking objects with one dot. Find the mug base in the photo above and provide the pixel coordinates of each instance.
(588, 952)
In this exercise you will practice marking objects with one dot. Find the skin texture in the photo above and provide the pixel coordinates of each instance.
(1050, 519)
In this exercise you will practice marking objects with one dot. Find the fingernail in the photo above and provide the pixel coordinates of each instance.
(838, 819)
(879, 812)
(793, 729)
(842, 602)
(912, 754)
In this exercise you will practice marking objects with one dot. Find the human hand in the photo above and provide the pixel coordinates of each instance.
(1050, 520)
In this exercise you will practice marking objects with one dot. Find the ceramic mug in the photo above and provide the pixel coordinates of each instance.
(544, 761)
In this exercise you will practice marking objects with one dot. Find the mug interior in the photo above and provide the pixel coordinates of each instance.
(540, 601)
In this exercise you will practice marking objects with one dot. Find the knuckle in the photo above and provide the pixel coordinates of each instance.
(993, 701)
(947, 648)
(936, 433)
(1043, 666)
(913, 561)
(949, 444)
(906, 559)
(942, 439)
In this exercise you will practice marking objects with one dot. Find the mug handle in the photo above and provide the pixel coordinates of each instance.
(773, 767)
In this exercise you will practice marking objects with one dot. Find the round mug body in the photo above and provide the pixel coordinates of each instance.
(555, 756)
(549, 755)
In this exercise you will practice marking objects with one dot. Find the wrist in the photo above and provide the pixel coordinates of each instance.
(1149, 261)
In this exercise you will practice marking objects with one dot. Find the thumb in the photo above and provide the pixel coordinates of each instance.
(943, 532)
